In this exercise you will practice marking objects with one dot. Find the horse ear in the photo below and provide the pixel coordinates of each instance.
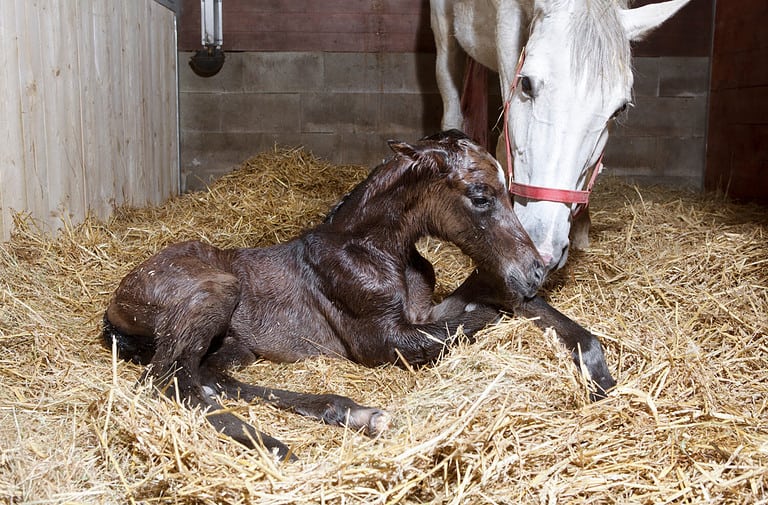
(640, 21)
(431, 157)
(403, 148)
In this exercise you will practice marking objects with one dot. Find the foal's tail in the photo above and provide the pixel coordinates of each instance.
(133, 348)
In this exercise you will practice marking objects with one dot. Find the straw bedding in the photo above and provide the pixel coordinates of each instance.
(674, 284)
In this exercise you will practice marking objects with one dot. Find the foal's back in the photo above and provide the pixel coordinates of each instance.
(282, 314)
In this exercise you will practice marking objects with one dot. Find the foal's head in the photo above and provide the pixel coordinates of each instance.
(465, 201)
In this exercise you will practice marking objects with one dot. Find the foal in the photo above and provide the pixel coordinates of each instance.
(354, 287)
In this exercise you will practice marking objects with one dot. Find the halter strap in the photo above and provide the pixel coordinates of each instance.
(567, 196)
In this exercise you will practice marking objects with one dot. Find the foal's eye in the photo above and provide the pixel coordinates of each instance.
(526, 86)
(480, 202)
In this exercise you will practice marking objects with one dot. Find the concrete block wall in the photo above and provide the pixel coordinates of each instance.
(345, 106)
(662, 139)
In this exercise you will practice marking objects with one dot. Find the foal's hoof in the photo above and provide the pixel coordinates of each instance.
(379, 423)
(602, 387)
(373, 421)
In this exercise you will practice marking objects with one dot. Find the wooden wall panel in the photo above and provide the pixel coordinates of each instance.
(89, 108)
(311, 25)
(688, 33)
(13, 194)
(391, 26)
(737, 146)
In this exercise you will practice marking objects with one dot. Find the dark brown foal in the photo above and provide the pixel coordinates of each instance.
(353, 287)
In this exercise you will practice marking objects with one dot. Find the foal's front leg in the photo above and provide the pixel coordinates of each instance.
(407, 343)
(585, 348)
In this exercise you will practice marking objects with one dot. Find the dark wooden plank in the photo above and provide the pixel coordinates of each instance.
(330, 23)
(745, 105)
(741, 9)
(256, 25)
(324, 6)
(738, 69)
(737, 33)
(737, 139)
(352, 23)
(687, 33)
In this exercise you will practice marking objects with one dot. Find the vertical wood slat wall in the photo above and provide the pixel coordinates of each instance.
(737, 146)
(88, 106)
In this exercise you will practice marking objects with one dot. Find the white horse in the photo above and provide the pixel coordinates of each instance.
(574, 79)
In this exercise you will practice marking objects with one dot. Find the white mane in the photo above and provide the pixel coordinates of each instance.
(598, 43)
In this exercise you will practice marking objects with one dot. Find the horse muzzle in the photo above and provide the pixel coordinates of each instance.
(526, 284)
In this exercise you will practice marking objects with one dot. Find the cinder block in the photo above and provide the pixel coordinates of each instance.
(352, 72)
(245, 143)
(380, 72)
(206, 156)
(410, 114)
(630, 155)
(344, 106)
(408, 73)
(682, 157)
(260, 112)
(339, 112)
(282, 72)
(323, 145)
(667, 116)
(200, 111)
(683, 76)
(671, 158)
(201, 167)
(367, 149)
(646, 73)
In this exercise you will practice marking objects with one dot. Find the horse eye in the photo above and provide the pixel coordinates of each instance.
(620, 110)
(480, 202)
(526, 86)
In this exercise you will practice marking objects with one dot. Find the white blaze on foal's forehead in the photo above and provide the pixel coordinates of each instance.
(501, 174)
(500, 170)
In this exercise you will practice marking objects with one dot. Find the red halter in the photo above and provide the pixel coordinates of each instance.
(567, 196)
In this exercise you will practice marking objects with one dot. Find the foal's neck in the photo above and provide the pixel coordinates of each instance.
(388, 209)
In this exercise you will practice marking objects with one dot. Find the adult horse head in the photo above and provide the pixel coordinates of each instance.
(561, 93)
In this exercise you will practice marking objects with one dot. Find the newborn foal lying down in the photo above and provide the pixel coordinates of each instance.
(354, 287)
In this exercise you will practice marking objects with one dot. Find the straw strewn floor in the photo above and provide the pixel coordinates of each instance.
(675, 284)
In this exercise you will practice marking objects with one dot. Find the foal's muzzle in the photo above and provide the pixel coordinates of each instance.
(536, 278)
(526, 284)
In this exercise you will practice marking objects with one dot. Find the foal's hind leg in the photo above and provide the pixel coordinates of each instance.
(188, 338)
(194, 311)
(194, 303)
(328, 408)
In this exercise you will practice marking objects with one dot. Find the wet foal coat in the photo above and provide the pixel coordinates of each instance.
(353, 287)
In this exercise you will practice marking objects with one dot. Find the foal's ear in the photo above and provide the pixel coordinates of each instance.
(423, 156)
(403, 148)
